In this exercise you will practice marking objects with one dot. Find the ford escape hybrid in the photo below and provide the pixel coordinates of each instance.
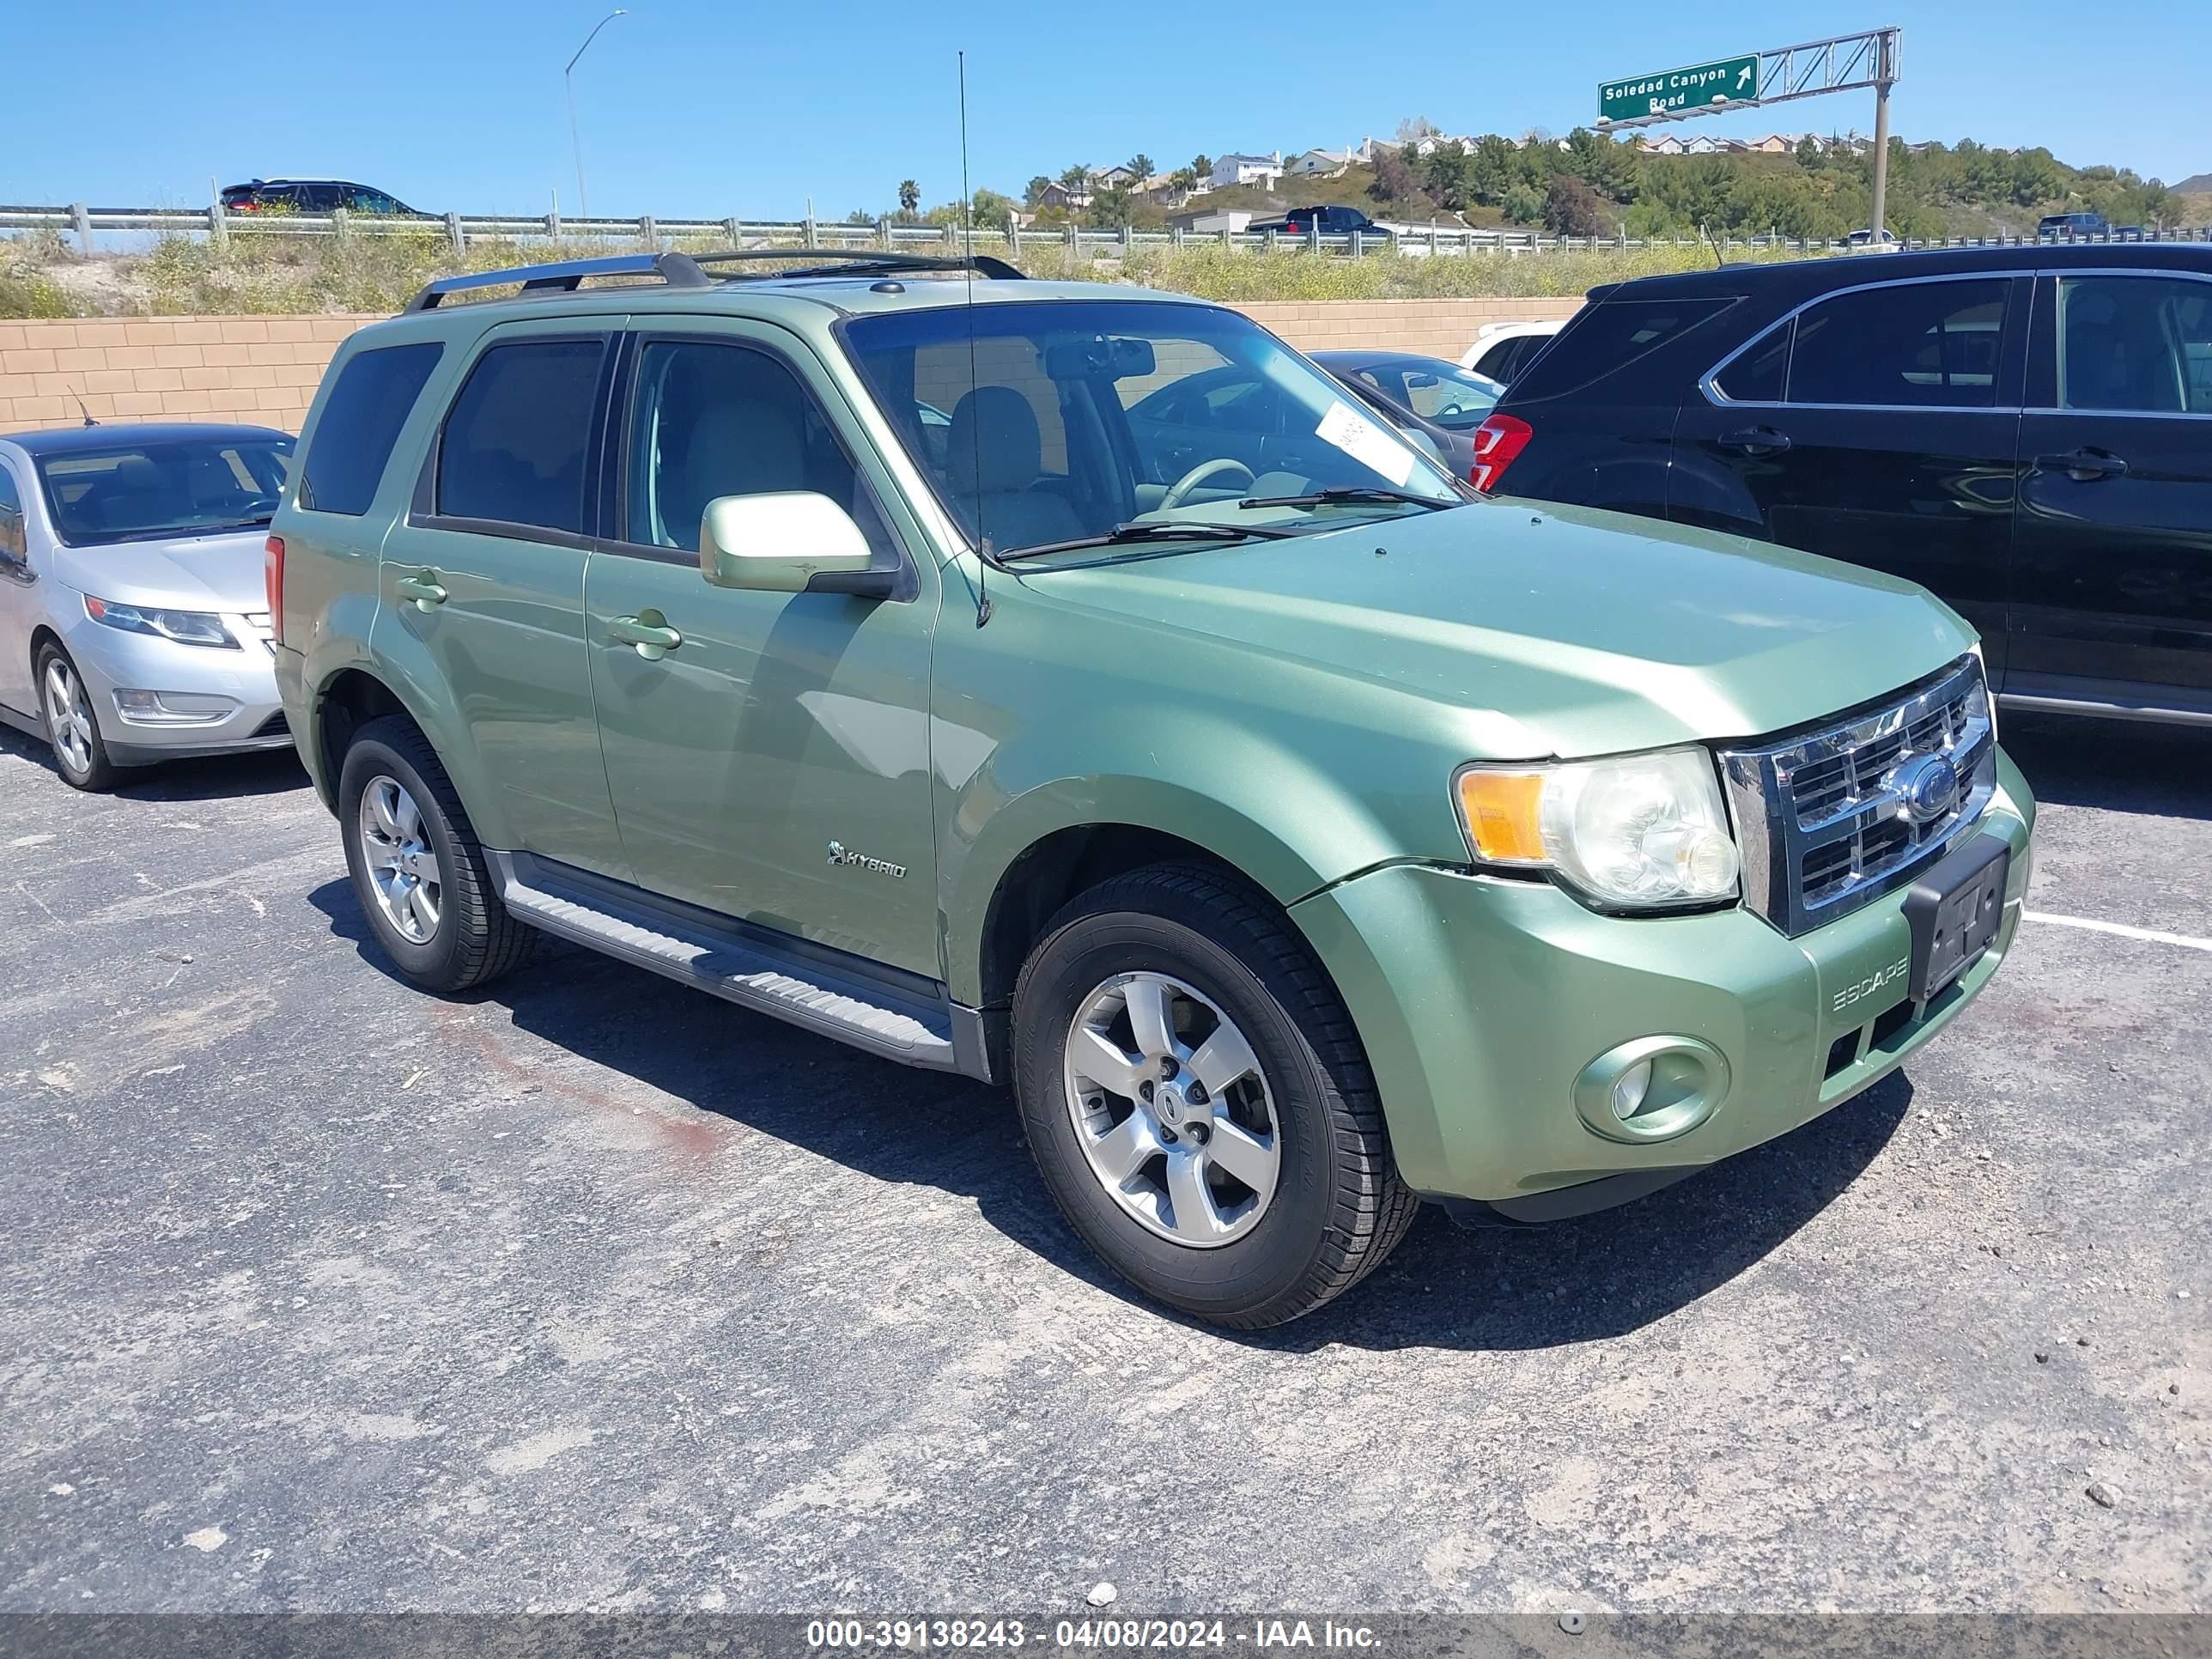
(870, 641)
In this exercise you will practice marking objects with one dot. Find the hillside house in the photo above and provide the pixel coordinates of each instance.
(1232, 170)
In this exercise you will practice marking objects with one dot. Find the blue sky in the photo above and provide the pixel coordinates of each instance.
(708, 108)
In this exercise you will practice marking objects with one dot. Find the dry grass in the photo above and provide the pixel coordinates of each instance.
(366, 275)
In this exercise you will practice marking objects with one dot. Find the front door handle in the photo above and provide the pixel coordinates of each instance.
(650, 633)
(425, 590)
(1755, 440)
(2083, 466)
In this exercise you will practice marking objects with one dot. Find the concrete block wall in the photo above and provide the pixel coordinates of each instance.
(1439, 328)
(264, 370)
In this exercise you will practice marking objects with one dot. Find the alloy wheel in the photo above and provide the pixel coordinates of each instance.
(69, 716)
(401, 865)
(1171, 1109)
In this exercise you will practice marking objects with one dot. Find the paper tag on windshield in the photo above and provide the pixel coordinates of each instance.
(1367, 443)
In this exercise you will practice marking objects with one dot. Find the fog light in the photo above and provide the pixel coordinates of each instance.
(1652, 1088)
(1629, 1090)
(174, 707)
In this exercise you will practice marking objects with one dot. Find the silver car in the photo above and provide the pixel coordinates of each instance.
(134, 620)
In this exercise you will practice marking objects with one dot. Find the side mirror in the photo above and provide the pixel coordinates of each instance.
(793, 542)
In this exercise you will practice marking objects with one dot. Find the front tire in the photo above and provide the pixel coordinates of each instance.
(72, 726)
(421, 878)
(1199, 1102)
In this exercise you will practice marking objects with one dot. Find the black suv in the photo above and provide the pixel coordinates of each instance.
(2026, 431)
(312, 196)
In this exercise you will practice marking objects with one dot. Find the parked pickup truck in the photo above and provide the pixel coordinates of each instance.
(1296, 835)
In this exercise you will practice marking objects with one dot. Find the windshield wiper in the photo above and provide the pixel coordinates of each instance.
(178, 532)
(1132, 535)
(1337, 493)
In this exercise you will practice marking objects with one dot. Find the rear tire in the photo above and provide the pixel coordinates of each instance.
(72, 725)
(1248, 1201)
(422, 877)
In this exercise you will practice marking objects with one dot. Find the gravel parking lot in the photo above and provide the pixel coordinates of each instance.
(592, 1292)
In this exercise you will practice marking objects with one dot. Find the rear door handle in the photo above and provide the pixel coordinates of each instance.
(425, 590)
(1755, 440)
(2083, 466)
(654, 639)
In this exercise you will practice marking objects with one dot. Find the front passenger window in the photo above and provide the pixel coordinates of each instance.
(15, 546)
(711, 419)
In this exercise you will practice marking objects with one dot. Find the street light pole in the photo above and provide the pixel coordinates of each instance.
(1885, 74)
(568, 80)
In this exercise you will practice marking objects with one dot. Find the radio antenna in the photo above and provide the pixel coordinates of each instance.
(974, 427)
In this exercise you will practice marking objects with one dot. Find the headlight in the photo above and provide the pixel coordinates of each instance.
(1639, 831)
(184, 627)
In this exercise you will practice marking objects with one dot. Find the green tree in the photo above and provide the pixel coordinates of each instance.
(1074, 178)
(1033, 192)
(1141, 165)
(1202, 165)
(1523, 204)
(909, 194)
(1494, 167)
(1111, 209)
(992, 208)
(1607, 168)
(1448, 175)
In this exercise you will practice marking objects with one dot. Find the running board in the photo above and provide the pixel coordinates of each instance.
(900, 1016)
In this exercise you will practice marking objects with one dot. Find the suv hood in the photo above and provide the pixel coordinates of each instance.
(1559, 631)
(221, 571)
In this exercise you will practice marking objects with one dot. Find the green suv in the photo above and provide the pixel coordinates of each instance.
(1068, 685)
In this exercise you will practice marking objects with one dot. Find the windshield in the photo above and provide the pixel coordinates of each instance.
(139, 491)
(1070, 420)
(1453, 398)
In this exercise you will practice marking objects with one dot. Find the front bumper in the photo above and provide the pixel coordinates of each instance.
(1481, 1001)
(233, 693)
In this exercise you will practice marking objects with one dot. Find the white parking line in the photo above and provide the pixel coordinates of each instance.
(2151, 934)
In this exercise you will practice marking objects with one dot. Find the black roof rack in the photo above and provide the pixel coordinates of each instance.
(690, 270)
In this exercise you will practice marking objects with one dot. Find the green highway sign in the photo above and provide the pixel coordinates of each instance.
(1681, 91)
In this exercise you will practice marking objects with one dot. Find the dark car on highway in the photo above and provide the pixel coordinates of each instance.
(313, 196)
(1441, 401)
(1332, 220)
(2026, 431)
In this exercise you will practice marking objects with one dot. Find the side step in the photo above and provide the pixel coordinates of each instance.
(899, 1015)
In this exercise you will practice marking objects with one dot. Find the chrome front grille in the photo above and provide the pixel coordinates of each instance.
(1833, 819)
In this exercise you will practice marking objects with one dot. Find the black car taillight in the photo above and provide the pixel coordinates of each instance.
(1497, 442)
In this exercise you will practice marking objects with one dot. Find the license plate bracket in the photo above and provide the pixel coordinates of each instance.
(1955, 911)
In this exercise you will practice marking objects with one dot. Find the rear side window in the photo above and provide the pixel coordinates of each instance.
(375, 394)
(1932, 345)
(2139, 344)
(514, 440)
(1755, 375)
(1609, 335)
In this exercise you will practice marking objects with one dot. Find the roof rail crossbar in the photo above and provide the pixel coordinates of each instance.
(835, 259)
(675, 269)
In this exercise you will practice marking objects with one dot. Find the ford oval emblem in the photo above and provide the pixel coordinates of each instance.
(1927, 787)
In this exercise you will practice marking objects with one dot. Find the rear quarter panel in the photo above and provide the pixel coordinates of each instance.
(330, 573)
